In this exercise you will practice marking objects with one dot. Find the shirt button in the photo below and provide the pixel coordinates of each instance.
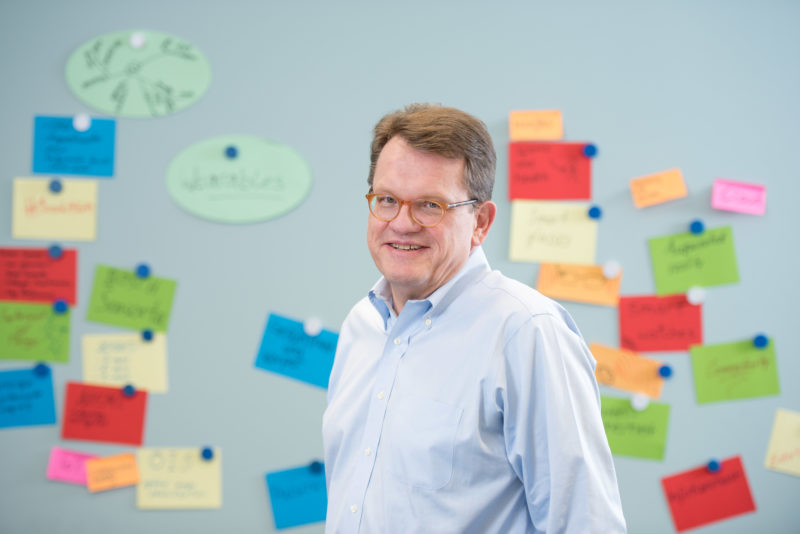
(397, 341)
(428, 321)
(367, 451)
(354, 508)
(381, 395)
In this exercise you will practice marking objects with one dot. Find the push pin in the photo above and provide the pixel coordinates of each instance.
(696, 295)
(60, 306)
(41, 369)
(312, 326)
(589, 150)
(207, 453)
(315, 467)
(147, 334)
(231, 152)
(55, 252)
(665, 371)
(129, 390)
(138, 40)
(81, 122)
(713, 466)
(142, 270)
(55, 186)
(595, 212)
(761, 341)
(697, 227)
(640, 402)
(611, 269)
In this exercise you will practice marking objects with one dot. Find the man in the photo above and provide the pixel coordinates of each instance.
(460, 401)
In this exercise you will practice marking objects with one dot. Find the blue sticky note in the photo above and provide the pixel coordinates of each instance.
(298, 496)
(58, 148)
(26, 398)
(286, 349)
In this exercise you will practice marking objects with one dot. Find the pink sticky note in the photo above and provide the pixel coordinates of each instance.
(68, 466)
(738, 196)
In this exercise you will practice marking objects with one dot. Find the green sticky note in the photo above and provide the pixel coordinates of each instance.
(122, 298)
(737, 370)
(642, 434)
(681, 261)
(31, 331)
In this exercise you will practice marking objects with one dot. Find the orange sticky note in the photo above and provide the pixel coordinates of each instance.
(538, 125)
(578, 283)
(625, 369)
(111, 472)
(657, 188)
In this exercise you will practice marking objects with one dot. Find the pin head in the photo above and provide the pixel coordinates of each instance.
(315, 466)
(129, 390)
(55, 252)
(589, 150)
(207, 453)
(41, 369)
(60, 306)
(81, 122)
(142, 270)
(231, 152)
(595, 212)
(55, 186)
(147, 335)
(665, 371)
(697, 227)
(761, 341)
(713, 466)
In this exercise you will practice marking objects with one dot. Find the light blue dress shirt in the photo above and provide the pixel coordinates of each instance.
(475, 410)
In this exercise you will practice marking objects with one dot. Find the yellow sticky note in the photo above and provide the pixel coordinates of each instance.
(120, 359)
(39, 213)
(554, 232)
(626, 370)
(783, 452)
(657, 188)
(179, 478)
(578, 283)
(535, 125)
(111, 472)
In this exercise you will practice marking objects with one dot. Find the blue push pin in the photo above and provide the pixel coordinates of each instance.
(231, 152)
(697, 227)
(129, 390)
(60, 306)
(315, 467)
(41, 369)
(713, 466)
(207, 453)
(55, 186)
(55, 252)
(761, 341)
(142, 270)
(589, 150)
(595, 212)
(147, 334)
(665, 371)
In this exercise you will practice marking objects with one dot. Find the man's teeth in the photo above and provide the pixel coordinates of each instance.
(406, 247)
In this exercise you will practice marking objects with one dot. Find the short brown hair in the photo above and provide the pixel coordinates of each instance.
(448, 132)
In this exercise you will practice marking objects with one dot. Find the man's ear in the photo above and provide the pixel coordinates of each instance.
(484, 217)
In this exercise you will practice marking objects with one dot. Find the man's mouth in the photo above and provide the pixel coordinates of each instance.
(405, 247)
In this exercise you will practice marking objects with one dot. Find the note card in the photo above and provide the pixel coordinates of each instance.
(32, 275)
(121, 298)
(578, 283)
(552, 232)
(119, 359)
(111, 472)
(736, 370)
(178, 479)
(739, 197)
(59, 148)
(39, 213)
(626, 370)
(699, 497)
(298, 496)
(30, 331)
(783, 452)
(535, 125)
(286, 349)
(68, 466)
(657, 188)
(26, 398)
(668, 323)
(685, 260)
(97, 413)
(549, 171)
(641, 434)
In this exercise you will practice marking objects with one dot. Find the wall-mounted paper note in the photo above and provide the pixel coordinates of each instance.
(58, 148)
(535, 125)
(298, 496)
(178, 478)
(657, 188)
(552, 171)
(681, 261)
(68, 466)
(119, 359)
(121, 298)
(97, 413)
(111, 472)
(38, 213)
(554, 232)
(578, 283)
(626, 370)
(287, 350)
(736, 370)
(31, 275)
(739, 197)
(31, 331)
(783, 453)
(26, 398)
(668, 323)
(641, 434)
(698, 497)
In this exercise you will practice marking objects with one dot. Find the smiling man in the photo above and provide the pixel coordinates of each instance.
(460, 400)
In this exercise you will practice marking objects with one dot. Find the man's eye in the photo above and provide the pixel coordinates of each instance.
(387, 200)
(430, 205)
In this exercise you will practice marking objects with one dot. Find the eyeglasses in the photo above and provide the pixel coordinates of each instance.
(424, 212)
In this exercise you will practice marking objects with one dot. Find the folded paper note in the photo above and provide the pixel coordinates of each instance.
(119, 359)
(298, 496)
(97, 413)
(111, 472)
(668, 323)
(26, 398)
(32, 331)
(626, 370)
(33, 275)
(738, 370)
(68, 466)
(39, 213)
(535, 125)
(549, 171)
(739, 197)
(657, 188)
(553, 232)
(59, 148)
(783, 452)
(578, 283)
(178, 479)
(641, 434)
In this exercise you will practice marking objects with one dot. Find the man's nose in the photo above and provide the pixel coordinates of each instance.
(404, 222)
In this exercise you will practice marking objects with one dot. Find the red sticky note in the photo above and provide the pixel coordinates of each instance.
(97, 413)
(31, 275)
(698, 497)
(549, 171)
(659, 323)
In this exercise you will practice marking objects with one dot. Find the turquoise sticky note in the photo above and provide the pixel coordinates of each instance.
(26, 397)
(288, 350)
(298, 495)
(60, 148)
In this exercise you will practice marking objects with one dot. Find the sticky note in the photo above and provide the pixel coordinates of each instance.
(98, 413)
(740, 197)
(681, 261)
(641, 434)
(31, 275)
(549, 171)
(298, 496)
(111, 472)
(626, 370)
(535, 125)
(121, 298)
(58, 148)
(736, 370)
(578, 283)
(26, 398)
(38, 213)
(552, 232)
(698, 497)
(657, 188)
(178, 478)
(650, 323)
(68, 466)
(30, 331)
(120, 359)
(783, 452)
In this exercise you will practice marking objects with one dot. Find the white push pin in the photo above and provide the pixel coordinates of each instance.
(640, 402)
(312, 326)
(82, 122)
(138, 39)
(611, 269)
(696, 295)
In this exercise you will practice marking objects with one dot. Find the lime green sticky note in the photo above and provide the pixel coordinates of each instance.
(33, 332)
(122, 298)
(737, 370)
(681, 261)
(642, 434)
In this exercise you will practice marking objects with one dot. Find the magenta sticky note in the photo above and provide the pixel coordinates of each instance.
(68, 466)
(739, 196)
